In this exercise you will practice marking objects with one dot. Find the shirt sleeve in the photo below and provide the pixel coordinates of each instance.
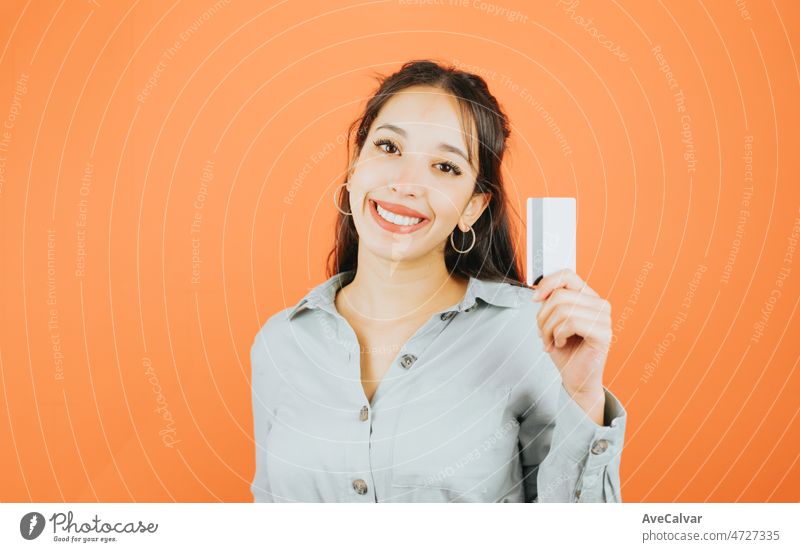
(262, 417)
(581, 463)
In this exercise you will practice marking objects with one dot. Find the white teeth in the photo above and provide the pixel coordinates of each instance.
(397, 219)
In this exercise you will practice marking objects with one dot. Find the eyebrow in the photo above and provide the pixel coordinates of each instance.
(442, 146)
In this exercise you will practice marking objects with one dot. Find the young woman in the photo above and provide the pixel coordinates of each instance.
(423, 369)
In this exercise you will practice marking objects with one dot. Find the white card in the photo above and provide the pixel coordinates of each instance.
(551, 236)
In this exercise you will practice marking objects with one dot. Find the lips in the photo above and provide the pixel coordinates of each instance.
(398, 209)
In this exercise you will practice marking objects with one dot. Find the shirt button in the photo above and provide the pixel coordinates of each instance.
(447, 316)
(578, 494)
(360, 486)
(407, 360)
(364, 414)
(470, 309)
(599, 446)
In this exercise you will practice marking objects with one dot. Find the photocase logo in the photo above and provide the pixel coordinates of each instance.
(31, 525)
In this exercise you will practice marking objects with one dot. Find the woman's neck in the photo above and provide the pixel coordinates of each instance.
(394, 291)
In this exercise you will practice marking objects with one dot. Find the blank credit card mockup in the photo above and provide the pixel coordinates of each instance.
(551, 236)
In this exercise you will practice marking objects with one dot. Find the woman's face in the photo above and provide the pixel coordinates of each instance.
(412, 184)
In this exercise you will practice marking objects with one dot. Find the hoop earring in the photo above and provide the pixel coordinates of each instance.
(471, 245)
(336, 201)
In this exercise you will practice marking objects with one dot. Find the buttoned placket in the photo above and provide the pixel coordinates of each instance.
(365, 485)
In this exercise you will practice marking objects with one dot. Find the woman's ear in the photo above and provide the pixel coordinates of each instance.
(477, 204)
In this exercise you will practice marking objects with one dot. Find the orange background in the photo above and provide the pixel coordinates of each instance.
(258, 97)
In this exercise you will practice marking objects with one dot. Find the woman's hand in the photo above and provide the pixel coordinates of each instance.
(575, 326)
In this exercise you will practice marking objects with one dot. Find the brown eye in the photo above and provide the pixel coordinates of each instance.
(451, 168)
(386, 142)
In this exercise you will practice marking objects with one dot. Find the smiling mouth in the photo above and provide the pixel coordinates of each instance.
(394, 222)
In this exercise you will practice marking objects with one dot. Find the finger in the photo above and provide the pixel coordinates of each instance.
(592, 330)
(567, 296)
(551, 344)
(564, 278)
(600, 322)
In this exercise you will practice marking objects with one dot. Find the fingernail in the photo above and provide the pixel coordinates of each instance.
(535, 294)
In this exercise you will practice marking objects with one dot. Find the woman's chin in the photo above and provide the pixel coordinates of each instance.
(393, 249)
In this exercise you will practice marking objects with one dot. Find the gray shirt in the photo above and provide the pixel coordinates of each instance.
(471, 410)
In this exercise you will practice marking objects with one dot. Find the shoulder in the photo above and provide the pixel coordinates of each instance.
(509, 299)
(523, 294)
(297, 321)
(275, 329)
(521, 319)
(507, 311)
(278, 321)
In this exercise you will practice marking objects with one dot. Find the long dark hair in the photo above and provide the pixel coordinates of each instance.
(493, 256)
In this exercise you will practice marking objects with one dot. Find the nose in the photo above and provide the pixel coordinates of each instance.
(408, 180)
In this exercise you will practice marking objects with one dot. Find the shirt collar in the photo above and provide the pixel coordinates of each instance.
(501, 294)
